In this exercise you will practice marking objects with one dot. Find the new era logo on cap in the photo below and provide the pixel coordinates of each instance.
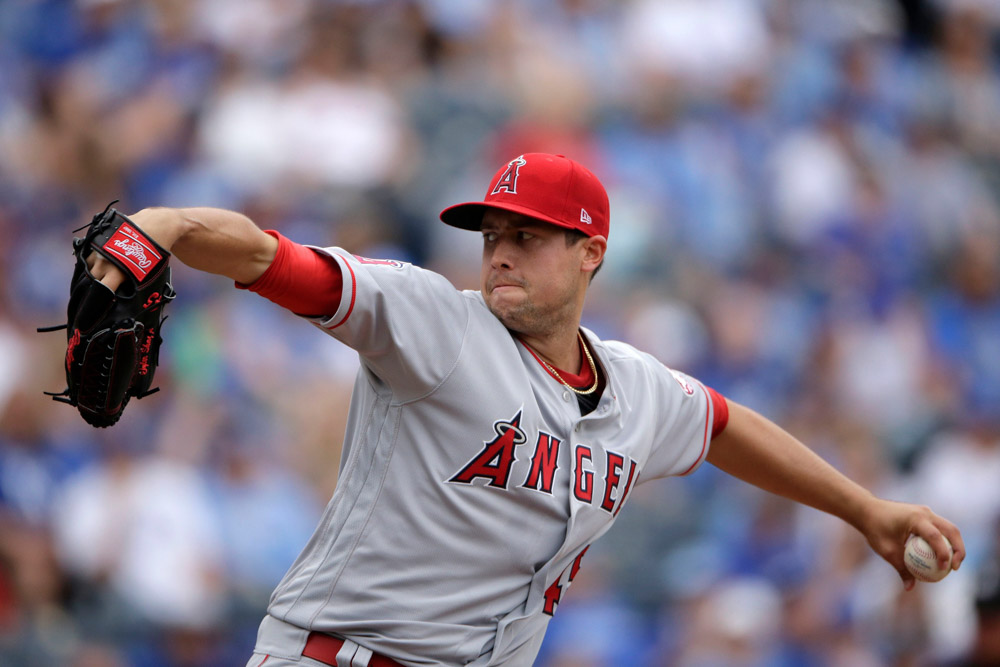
(551, 188)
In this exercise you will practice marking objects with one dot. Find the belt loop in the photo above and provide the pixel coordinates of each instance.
(345, 656)
(361, 657)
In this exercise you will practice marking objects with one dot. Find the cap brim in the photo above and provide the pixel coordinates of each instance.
(470, 214)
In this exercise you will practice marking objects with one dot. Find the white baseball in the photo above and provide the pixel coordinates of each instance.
(921, 560)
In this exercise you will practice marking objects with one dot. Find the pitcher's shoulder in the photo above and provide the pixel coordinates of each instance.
(616, 351)
(474, 296)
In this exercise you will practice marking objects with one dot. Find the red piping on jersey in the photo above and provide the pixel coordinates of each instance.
(704, 443)
(354, 294)
(266, 658)
(582, 380)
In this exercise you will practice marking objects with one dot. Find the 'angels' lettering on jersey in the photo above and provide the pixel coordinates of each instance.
(496, 459)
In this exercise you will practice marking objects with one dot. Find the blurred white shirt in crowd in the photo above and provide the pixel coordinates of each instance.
(147, 526)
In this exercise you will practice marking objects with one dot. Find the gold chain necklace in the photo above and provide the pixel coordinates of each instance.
(593, 369)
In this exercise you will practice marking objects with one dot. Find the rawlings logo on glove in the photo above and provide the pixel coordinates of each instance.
(113, 339)
(132, 249)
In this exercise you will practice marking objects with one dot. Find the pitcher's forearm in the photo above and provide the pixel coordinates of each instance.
(211, 239)
(760, 452)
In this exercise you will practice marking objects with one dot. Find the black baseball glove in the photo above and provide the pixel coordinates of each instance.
(113, 337)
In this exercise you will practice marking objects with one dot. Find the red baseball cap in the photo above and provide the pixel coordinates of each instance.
(548, 187)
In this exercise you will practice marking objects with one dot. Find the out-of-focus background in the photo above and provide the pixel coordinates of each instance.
(805, 215)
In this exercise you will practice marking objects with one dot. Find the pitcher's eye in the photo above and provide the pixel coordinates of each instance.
(489, 236)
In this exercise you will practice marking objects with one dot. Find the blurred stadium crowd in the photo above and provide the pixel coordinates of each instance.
(805, 215)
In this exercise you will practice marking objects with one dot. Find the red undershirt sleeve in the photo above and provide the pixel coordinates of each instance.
(720, 410)
(304, 281)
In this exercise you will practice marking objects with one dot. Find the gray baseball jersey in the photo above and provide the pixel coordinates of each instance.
(470, 485)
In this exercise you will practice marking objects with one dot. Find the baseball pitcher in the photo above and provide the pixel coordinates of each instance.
(491, 439)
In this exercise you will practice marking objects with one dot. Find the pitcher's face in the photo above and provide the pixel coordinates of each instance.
(532, 279)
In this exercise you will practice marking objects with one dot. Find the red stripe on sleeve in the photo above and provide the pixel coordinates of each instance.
(705, 436)
(354, 296)
(721, 411)
(300, 279)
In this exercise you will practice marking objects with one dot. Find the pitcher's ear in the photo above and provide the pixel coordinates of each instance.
(594, 249)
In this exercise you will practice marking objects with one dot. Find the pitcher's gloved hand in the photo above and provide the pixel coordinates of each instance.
(113, 337)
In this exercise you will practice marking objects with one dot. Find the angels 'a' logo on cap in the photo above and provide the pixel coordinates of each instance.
(508, 180)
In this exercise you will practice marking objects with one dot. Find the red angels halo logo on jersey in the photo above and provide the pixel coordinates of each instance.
(508, 180)
(497, 456)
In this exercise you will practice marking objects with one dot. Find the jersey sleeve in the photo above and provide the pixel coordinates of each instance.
(686, 415)
(406, 323)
